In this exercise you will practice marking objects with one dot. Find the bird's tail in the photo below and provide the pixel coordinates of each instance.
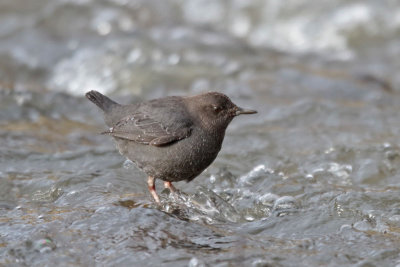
(101, 100)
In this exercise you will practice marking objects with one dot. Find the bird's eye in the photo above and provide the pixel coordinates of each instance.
(217, 109)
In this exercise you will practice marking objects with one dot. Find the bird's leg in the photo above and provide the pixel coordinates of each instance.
(152, 188)
(170, 187)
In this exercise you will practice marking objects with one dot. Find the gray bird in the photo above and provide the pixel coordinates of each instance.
(173, 138)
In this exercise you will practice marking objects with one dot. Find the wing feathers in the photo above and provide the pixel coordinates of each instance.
(142, 129)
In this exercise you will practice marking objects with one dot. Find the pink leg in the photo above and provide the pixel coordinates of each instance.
(170, 186)
(152, 188)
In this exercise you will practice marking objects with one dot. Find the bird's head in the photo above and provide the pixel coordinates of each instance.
(215, 110)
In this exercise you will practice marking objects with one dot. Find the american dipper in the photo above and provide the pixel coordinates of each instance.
(172, 138)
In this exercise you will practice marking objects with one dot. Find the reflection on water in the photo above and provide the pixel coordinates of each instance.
(312, 179)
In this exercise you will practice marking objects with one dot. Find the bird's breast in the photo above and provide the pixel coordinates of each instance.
(182, 160)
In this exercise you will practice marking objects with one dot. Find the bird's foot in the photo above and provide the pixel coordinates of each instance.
(152, 188)
(170, 187)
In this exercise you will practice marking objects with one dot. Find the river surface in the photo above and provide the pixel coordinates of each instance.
(312, 180)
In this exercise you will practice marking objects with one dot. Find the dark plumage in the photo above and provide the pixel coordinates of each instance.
(172, 138)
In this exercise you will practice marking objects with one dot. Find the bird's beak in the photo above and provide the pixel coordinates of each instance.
(240, 111)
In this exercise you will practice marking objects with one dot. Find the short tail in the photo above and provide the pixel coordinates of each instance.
(101, 100)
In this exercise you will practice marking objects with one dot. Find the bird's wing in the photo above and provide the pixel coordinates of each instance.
(142, 128)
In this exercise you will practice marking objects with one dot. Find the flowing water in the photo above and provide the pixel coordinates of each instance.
(312, 180)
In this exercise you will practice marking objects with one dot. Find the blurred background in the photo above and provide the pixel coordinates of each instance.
(312, 179)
